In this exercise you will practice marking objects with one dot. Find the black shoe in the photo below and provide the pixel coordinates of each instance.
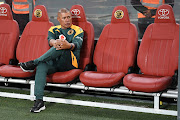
(28, 66)
(38, 106)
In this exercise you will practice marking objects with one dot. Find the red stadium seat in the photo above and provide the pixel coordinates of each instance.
(158, 54)
(32, 44)
(9, 35)
(115, 51)
(79, 19)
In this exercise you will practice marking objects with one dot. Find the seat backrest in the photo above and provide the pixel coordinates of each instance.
(9, 34)
(116, 48)
(158, 52)
(33, 42)
(79, 19)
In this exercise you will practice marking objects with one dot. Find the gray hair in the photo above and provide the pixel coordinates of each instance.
(63, 10)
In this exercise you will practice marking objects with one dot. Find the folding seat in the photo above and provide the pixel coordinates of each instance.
(115, 51)
(9, 35)
(32, 44)
(158, 54)
(79, 19)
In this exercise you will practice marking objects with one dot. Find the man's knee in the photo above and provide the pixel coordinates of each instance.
(42, 67)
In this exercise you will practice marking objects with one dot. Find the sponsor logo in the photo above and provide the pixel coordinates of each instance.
(3, 11)
(163, 14)
(62, 37)
(119, 14)
(38, 13)
(75, 13)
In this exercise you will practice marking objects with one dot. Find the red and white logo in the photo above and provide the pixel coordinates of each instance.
(3, 11)
(163, 14)
(62, 37)
(75, 13)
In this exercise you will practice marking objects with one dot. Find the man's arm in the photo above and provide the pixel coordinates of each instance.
(138, 6)
(76, 43)
(60, 44)
(52, 39)
(78, 40)
(51, 36)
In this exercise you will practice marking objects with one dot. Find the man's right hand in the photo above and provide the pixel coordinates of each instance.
(55, 43)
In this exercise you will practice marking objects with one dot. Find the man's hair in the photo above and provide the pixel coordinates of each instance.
(63, 10)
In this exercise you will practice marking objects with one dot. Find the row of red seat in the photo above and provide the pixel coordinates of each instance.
(115, 53)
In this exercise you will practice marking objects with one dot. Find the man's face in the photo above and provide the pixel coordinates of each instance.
(65, 20)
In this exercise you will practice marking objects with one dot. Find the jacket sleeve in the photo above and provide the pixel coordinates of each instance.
(51, 34)
(78, 40)
(138, 5)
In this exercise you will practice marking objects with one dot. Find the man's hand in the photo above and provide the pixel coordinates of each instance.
(62, 44)
(54, 43)
(147, 13)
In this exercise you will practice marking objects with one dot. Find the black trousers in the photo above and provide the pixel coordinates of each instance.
(22, 20)
(143, 23)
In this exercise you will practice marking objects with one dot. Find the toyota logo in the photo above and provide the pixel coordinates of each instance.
(163, 12)
(3, 10)
(75, 12)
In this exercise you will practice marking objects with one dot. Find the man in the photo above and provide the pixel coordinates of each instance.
(20, 12)
(147, 10)
(65, 41)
